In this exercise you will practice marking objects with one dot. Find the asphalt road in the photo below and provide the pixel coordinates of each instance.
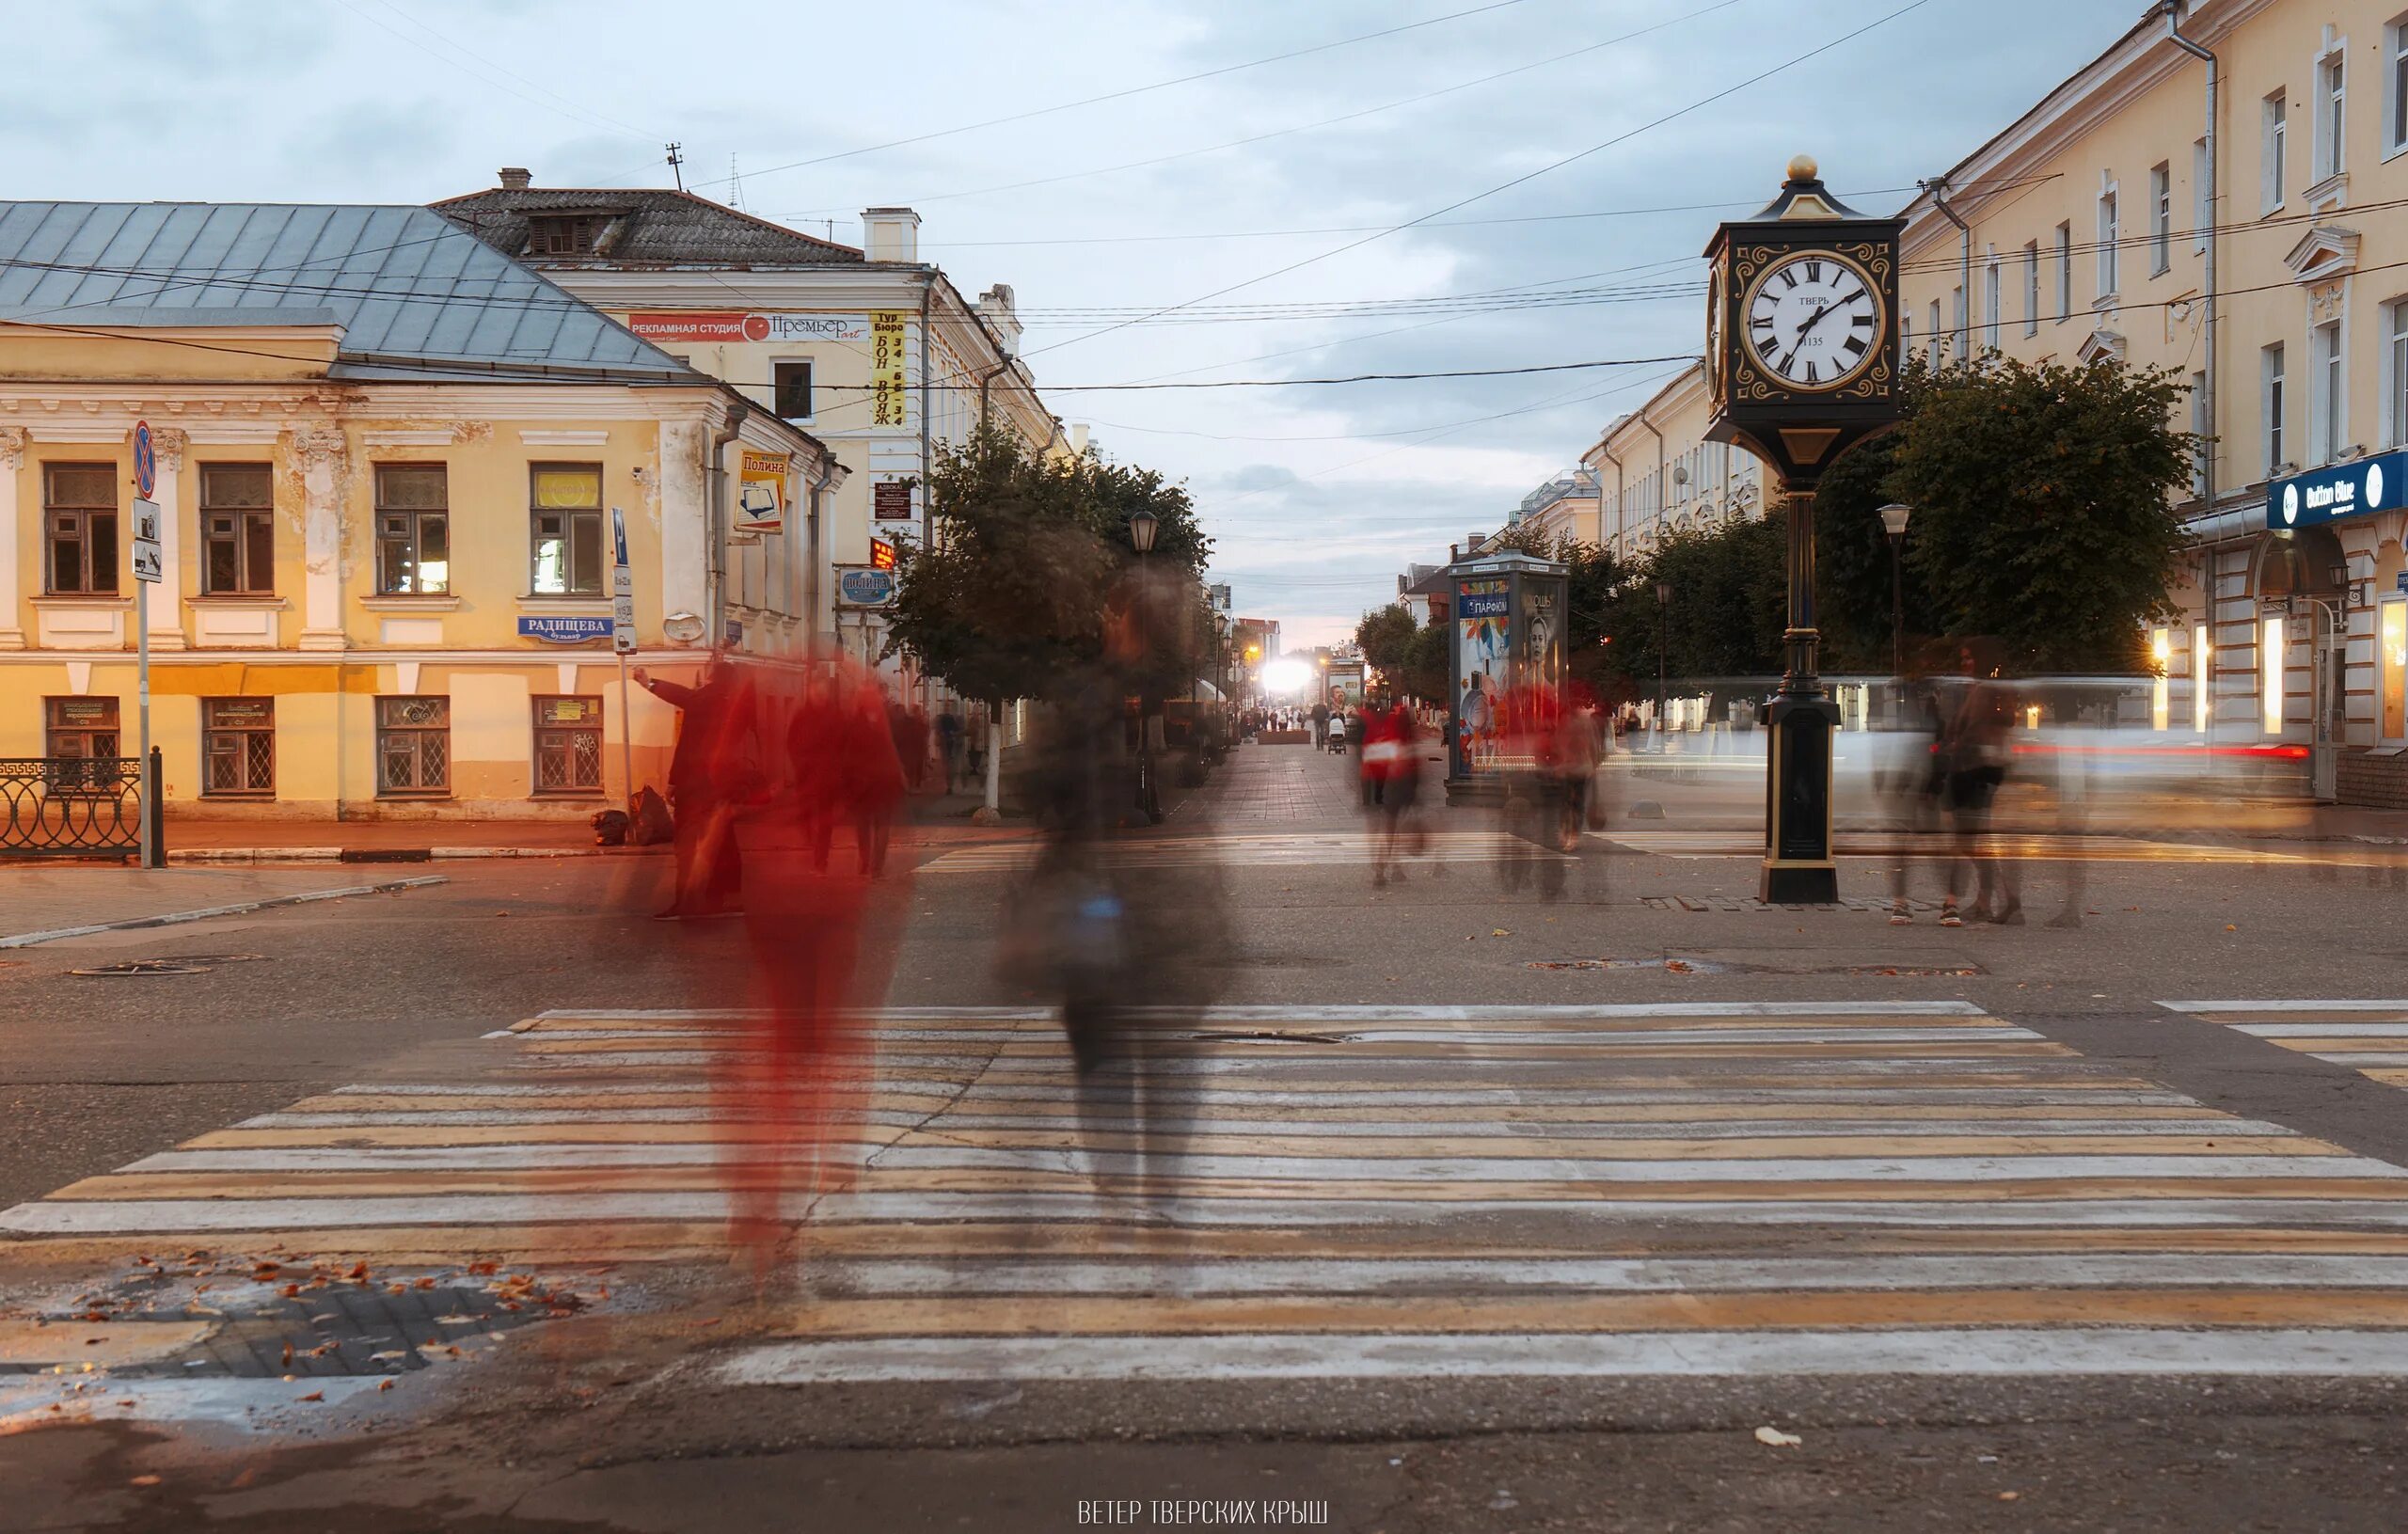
(1084, 1360)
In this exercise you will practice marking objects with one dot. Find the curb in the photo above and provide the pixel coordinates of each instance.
(177, 918)
(211, 855)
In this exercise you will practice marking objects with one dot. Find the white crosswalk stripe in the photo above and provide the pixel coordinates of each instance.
(2368, 1036)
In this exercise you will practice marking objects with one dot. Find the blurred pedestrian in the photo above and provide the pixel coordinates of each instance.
(1976, 751)
(1391, 770)
(712, 773)
(949, 744)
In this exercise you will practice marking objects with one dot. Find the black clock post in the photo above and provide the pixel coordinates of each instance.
(1802, 350)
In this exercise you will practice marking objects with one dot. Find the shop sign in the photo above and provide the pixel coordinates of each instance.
(241, 712)
(564, 629)
(889, 387)
(890, 500)
(761, 492)
(568, 710)
(2333, 494)
(882, 554)
(758, 326)
(858, 588)
(70, 711)
(1483, 599)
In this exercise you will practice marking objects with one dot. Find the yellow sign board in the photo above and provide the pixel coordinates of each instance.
(761, 497)
(889, 384)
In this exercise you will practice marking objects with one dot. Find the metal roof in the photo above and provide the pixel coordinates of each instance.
(649, 228)
(415, 296)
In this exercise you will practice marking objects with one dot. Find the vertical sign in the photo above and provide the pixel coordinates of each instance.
(146, 572)
(888, 382)
(623, 586)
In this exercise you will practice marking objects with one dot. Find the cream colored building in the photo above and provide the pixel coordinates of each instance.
(388, 461)
(872, 350)
(2261, 253)
(1657, 473)
(1565, 506)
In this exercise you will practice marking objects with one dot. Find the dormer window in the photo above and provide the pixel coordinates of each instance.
(565, 234)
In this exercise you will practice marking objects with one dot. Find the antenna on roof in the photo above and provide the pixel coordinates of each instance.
(677, 165)
(735, 186)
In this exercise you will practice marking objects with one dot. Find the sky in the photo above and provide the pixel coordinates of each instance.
(1574, 153)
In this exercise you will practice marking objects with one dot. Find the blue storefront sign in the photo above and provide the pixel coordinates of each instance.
(562, 629)
(2379, 484)
(866, 587)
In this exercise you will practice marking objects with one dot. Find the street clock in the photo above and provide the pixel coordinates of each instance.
(1802, 329)
(1801, 363)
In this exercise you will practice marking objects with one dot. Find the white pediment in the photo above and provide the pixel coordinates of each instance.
(2323, 253)
(2099, 343)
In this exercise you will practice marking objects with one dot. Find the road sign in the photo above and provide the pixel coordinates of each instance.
(146, 463)
(622, 588)
(146, 562)
(146, 559)
(146, 520)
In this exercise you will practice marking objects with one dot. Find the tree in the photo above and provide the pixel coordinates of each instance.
(2043, 507)
(1385, 638)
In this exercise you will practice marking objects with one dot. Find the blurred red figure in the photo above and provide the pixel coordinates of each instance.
(1392, 782)
(712, 774)
(822, 928)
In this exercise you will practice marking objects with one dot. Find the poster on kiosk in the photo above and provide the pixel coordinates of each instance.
(1508, 637)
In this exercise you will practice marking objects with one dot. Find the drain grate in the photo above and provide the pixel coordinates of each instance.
(176, 964)
(1733, 902)
(1669, 965)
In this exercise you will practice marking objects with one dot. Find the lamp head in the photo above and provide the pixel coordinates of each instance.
(1141, 529)
(1893, 519)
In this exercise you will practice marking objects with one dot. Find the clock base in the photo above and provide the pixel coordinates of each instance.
(1798, 867)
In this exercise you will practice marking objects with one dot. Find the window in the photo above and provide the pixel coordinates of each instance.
(2391, 655)
(565, 234)
(83, 728)
(790, 383)
(237, 530)
(2202, 215)
(566, 522)
(2395, 87)
(2332, 115)
(2270, 151)
(79, 506)
(2160, 215)
(413, 531)
(413, 745)
(2065, 271)
(238, 748)
(2270, 374)
(1938, 344)
(2031, 289)
(2202, 429)
(2395, 351)
(2269, 673)
(1960, 332)
(2108, 226)
(2331, 402)
(1991, 303)
(568, 745)
(2203, 655)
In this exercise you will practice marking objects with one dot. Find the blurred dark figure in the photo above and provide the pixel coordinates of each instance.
(1321, 725)
(2072, 780)
(1540, 761)
(1917, 786)
(822, 932)
(949, 744)
(1975, 749)
(712, 774)
(1391, 772)
(908, 727)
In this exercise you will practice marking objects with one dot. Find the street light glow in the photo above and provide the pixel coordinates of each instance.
(1285, 676)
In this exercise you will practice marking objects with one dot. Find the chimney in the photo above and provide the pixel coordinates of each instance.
(1003, 313)
(1078, 436)
(514, 178)
(891, 234)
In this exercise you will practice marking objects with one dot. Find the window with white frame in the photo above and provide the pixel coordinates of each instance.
(2270, 404)
(2276, 114)
(2202, 215)
(2395, 326)
(1991, 303)
(2201, 428)
(2108, 226)
(1937, 343)
(1960, 332)
(2031, 289)
(2331, 402)
(2332, 113)
(2161, 218)
(2065, 271)
(2395, 86)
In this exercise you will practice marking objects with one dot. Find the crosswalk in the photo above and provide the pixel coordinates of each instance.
(1364, 1191)
(2368, 1036)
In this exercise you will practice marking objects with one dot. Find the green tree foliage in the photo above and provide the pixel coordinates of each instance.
(1008, 598)
(1386, 636)
(1852, 564)
(2042, 502)
(1424, 673)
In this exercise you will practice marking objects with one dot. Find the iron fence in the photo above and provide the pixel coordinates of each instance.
(73, 806)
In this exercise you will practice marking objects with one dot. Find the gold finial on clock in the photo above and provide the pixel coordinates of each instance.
(1803, 168)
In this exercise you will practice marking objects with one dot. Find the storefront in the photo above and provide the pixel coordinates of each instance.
(2330, 592)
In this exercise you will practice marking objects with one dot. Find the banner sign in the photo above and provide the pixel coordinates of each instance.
(889, 387)
(2379, 484)
(622, 588)
(739, 325)
(890, 500)
(1483, 599)
(858, 588)
(564, 629)
(882, 554)
(761, 494)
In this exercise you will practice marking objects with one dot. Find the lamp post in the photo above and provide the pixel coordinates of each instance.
(1663, 613)
(1894, 522)
(1141, 529)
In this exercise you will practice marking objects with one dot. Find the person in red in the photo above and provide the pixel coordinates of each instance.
(1391, 776)
(712, 774)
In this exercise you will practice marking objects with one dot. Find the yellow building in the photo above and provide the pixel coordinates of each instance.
(390, 462)
(1657, 473)
(2250, 249)
(1565, 506)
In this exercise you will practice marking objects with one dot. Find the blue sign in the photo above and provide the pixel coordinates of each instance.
(734, 633)
(2379, 484)
(1483, 605)
(562, 628)
(866, 587)
(145, 460)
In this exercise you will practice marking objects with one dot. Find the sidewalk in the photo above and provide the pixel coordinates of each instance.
(44, 904)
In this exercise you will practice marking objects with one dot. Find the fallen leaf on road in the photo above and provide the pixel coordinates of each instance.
(2229, 927)
(144, 1480)
(1775, 1438)
(288, 1356)
(2008, 1496)
(384, 1385)
(314, 1394)
(1498, 932)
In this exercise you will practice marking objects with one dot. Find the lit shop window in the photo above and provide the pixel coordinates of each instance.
(2269, 673)
(2391, 640)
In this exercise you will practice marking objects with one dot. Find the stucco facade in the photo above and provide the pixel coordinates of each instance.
(1657, 473)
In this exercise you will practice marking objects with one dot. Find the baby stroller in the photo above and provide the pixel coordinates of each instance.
(1337, 733)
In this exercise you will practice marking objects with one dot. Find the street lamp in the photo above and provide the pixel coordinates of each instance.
(1894, 522)
(1142, 528)
(1663, 612)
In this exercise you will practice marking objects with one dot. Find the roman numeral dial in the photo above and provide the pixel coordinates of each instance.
(1813, 320)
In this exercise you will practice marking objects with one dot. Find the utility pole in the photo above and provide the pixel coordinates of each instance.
(677, 165)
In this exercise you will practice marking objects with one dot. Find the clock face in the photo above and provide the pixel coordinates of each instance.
(1813, 321)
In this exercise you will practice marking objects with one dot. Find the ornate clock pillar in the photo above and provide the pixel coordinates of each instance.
(1802, 349)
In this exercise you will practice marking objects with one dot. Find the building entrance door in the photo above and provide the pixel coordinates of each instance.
(2329, 725)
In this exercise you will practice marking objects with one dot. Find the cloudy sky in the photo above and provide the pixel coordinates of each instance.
(1282, 180)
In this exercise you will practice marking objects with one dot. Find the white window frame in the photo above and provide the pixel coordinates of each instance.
(2202, 215)
(2065, 272)
(2274, 408)
(2202, 429)
(2274, 143)
(1961, 329)
(1993, 301)
(2394, 373)
(2110, 231)
(2161, 213)
(1939, 342)
(2031, 288)
(2395, 86)
(2328, 361)
(2332, 130)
